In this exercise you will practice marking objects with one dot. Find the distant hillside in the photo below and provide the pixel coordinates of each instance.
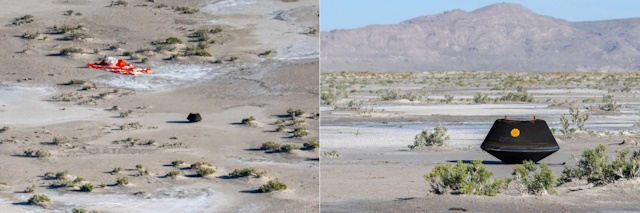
(499, 37)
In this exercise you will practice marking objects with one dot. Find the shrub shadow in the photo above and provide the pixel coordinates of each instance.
(178, 122)
(255, 191)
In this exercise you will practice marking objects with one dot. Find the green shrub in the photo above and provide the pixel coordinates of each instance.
(76, 36)
(299, 132)
(535, 183)
(38, 200)
(87, 187)
(37, 154)
(30, 189)
(4, 129)
(312, 144)
(60, 141)
(70, 50)
(215, 30)
(200, 164)
(331, 154)
(568, 174)
(520, 96)
(204, 171)
(121, 181)
(116, 170)
(187, 10)
(448, 98)
(199, 50)
(246, 172)
(177, 163)
(28, 35)
(610, 103)
(594, 166)
(480, 98)
(62, 175)
(465, 178)
(289, 147)
(436, 138)
(173, 40)
(270, 146)
(201, 34)
(173, 174)
(247, 121)
(22, 20)
(62, 29)
(294, 113)
(78, 210)
(273, 185)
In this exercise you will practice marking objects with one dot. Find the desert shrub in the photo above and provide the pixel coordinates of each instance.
(201, 34)
(289, 147)
(198, 50)
(74, 35)
(270, 146)
(426, 138)
(121, 181)
(389, 95)
(273, 185)
(577, 118)
(535, 183)
(139, 166)
(480, 98)
(119, 3)
(204, 171)
(265, 53)
(125, 113)
(22, 20)
(331, 154)
(280, 128)
(145, 60)
(247, 121)
(594, 166)
(173, 174)
(177, 163)
(200, 164)
(38, 200)
(312, 144)
(447, 98)
(328, 97)
(173, 40)
(246, 172)
(60, 141)
(62, 175)
(161, 6)
(49, 175)
(465, 178)
(4, 129)
(187, 10)
(78, 210)
(299, 132)
(37, 154)
(87, 187)
(62, 29)
(70, 50)
(610, 103)
(116, 170)
(30, 189)
(520, 96)
(28, 35)
(294, 113)
(215, 30)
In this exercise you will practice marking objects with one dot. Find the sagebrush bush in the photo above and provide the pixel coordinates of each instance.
(299, 132)
(426, 138)
(4, 129)
(312, 144)
(87, 187)
(247, 121)
(177, 163)
(465, 178)
(288, 148)
(246, 172)
(62, 175)
(200, 164)
(594, 166)
(535, 183)
(270, 146)
(121, 181)
(294, 113)
(331, 154)
(38, 200)
(204, 171)
(273, 185)
(173, 174)
(30, 189)
(60, 141)
(70, 50)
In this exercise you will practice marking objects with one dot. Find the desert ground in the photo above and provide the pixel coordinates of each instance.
(371, 118)
(235, 60)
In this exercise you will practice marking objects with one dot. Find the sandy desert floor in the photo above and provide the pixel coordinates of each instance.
(263, 61)
(377, 172)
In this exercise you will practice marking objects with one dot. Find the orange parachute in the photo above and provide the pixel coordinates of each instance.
(114, 65)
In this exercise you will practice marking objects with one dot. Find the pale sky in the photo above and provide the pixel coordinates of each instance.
(346, 14)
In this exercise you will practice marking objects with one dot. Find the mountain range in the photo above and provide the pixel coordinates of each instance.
(498, 37)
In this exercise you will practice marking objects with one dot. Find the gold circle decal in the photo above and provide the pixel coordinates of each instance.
(515, 132)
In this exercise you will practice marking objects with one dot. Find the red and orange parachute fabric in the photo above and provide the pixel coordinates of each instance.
(114, 65)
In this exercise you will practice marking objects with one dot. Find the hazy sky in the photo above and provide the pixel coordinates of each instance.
(344, 14)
